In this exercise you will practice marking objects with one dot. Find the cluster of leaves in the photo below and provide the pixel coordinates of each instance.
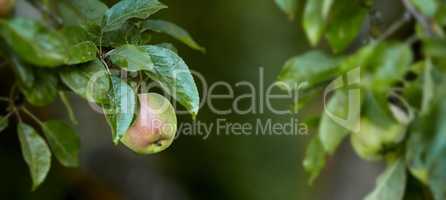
(74, 47)
(402, 98)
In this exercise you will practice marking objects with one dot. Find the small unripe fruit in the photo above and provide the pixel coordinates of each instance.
(6, 7)
(155, 126)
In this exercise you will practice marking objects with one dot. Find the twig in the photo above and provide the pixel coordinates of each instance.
(105, 64)
(29, 113)
(12, 103)
(100, 42)
(8, 115)
(412, 39)
(17, 114)
(423, 20)
(395, 26)
(67, 105)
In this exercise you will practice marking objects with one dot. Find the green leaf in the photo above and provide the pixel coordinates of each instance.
(124, 10)
(379, 131)
(24, 72)
(168, 46)
(346, 19)
(391, 64)
(43, 47)
(428, 87)
(426, 148)
(173, 30)
(436, 156)
(174, 75)
(64, 142)
(314, 161)
(313, 20)
(127, 34)
(44, 89)
(121, 110)
(331, 132)
(391, 184)
(377, 109)
(35, 152)
(73, 35)
(4, 122)
(427, 7)
(361, 58)
(131, 58)
(435, 47)
(79, 49)
(308, 70)
(33, 42)
(81, 53)
(421, 134)
(80, 12)
(288, 6)
(90, 81)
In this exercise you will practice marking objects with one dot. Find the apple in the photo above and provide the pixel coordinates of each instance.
(155, 126)
(6, 7)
